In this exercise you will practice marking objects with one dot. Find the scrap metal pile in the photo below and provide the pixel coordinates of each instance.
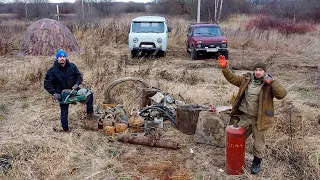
(145, 124)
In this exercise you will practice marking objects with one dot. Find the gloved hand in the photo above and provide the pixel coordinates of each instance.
(222, 61)
(212, 108)
(76, 86)
(268, 79)
(56, 97)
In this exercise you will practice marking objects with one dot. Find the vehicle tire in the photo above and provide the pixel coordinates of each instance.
(161, 53)
(133, 54)
(194, 54)
(226, 54)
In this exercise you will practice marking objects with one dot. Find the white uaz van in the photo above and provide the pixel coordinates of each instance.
(148, 34)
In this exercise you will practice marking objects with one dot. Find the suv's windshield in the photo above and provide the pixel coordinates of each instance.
(148, 27)
(207, 31)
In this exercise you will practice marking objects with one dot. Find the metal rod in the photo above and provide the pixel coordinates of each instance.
(68, 96)
(290, 125)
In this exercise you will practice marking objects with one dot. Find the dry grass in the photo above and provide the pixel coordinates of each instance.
(27, 114)
(11, 34)
(270, 40)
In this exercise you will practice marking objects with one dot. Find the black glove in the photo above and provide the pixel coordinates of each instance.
(268, 79)
(76, 86)
(56, 97)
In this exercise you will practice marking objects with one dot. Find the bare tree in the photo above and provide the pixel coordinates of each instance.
(217, 10)
(221, 2)
(26, 8)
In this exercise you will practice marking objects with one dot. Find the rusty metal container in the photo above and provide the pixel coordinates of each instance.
(187, 118)
(148, 142)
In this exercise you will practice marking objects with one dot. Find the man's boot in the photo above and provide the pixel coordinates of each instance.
(255, 167)
(92, 116)
(91, 122)
(61, 130)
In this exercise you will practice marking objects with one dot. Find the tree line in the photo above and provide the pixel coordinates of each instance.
(35, 9)
(299, 10)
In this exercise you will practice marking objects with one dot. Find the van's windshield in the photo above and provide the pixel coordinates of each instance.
(148, 27)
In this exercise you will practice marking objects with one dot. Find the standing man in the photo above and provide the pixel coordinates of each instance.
(64, 75)
(253, 107)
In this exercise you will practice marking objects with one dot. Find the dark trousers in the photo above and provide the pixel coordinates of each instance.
(64, 108)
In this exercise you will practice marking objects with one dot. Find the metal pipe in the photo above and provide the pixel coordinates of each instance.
(148, 142)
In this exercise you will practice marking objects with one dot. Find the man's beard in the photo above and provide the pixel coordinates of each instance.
(62, 64)
(256, 78)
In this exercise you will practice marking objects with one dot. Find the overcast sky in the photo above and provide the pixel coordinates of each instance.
(59, 1)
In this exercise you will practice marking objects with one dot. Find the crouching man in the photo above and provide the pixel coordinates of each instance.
(65, 75)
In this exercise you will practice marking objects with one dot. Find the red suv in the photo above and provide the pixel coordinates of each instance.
(206, 38)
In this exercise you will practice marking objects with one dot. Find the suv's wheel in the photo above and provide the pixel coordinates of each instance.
(194, 54)
(226, 54)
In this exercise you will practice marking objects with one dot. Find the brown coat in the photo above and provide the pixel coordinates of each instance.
(267, 93)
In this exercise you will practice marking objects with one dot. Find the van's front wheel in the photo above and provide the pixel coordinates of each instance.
(161, 53)
(133, 53)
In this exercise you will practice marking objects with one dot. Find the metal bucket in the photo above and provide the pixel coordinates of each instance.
(187, 118)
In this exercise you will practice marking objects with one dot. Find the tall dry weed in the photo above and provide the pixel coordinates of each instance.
(268, 39)
(301, 155)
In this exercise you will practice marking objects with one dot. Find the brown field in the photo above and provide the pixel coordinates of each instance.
(27, 114)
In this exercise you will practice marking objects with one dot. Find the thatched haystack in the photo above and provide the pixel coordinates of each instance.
(46, 36)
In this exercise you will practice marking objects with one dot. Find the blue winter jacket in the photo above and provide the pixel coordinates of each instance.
(59, 78)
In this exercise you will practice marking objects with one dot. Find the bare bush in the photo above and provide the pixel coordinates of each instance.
(242, 38)
(284, 26)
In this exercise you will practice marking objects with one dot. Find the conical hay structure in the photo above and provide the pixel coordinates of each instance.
(46, 36)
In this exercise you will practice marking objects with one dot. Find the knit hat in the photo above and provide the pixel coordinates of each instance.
(60, 53)
(261, 65)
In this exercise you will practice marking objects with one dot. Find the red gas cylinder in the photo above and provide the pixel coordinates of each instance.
(235, 149)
